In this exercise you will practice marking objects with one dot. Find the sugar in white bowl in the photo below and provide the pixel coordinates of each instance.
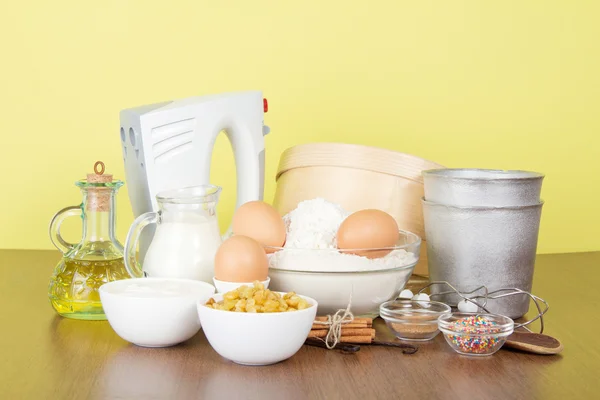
(154, 312)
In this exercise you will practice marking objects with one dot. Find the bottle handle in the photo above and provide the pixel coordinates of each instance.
(54, 230)
(131, 242)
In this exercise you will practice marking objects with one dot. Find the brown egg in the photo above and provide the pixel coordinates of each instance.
(241, 259)
(260, 221)
(368, 229)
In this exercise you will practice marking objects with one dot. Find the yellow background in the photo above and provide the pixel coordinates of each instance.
(503, 84)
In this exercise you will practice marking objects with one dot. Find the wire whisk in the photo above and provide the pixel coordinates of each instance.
(481, 300)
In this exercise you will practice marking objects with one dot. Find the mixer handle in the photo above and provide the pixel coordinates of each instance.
(131, 242)
(54, 229)
(250, 168)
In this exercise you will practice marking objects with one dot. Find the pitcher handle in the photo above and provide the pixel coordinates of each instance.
(54, 229)
(131, 242)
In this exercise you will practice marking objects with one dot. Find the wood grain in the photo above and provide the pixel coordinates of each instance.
(43, 356)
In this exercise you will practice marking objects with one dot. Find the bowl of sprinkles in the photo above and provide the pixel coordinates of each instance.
(475, 334)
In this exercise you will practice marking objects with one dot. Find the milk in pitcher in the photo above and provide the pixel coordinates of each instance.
(186, 239)
(184, 248)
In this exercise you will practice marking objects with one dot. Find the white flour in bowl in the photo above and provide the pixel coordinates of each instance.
(311, 243)
(331, 260)
(313, 224)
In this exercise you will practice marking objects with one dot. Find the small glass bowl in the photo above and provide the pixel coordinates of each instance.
(413, 320)
(475, 334)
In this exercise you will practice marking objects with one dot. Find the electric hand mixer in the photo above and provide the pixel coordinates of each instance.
(169, 145)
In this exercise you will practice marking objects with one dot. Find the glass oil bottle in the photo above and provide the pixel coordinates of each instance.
(96, 259)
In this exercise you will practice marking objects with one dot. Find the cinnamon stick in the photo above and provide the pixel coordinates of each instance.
(367, 321)
(356, 339)
(350, 325)
(322, 333)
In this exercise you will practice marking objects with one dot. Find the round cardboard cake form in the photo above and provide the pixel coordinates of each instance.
(356, 177)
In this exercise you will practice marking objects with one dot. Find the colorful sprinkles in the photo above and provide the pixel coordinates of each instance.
(475, 334)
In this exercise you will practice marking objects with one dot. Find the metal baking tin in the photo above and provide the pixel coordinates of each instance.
(482, 187)
(493, 246)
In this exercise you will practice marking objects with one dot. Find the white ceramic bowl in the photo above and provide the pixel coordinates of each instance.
(320, 274)
(224, 286)
(256, 338)
(154, 312)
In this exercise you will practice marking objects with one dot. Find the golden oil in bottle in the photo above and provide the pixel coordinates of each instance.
(73, 289)
(98, 257)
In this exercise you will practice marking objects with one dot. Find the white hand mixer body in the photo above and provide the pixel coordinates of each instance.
(169, 145)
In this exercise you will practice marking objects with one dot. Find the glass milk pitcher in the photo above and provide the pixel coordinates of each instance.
(186, 239)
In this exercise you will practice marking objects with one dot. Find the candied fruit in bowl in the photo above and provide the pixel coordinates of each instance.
(257, 299)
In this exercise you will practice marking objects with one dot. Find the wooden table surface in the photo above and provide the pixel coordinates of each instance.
(44, 356)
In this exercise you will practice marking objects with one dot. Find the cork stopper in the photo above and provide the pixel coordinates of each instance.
(99, 198)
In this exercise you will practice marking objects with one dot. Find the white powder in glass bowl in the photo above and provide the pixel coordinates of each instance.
(311, 243)
(331, 260)
(313, 224)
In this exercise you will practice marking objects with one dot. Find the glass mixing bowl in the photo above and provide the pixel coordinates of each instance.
(337, 279)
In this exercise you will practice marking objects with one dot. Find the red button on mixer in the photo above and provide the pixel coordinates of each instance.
(265, 105)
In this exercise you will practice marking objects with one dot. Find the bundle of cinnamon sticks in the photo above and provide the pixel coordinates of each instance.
(359, 330)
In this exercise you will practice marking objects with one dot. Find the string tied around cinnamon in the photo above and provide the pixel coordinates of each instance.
(335, 322)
